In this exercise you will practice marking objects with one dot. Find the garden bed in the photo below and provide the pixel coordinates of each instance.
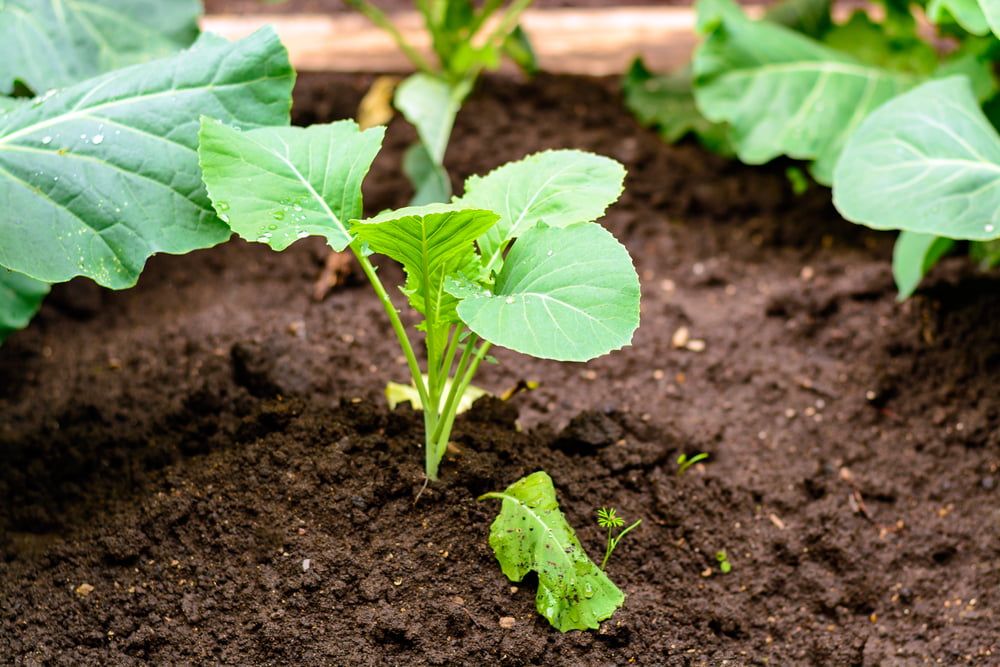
(203, 469)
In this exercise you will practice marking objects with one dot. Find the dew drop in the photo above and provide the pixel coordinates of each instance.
(989, 228)
(98, 138)
(302, 234)
(46, 140)
(549, 253)
(509, 299)
(272, 226)
(278, 215)
(224, 218)
(222, 206)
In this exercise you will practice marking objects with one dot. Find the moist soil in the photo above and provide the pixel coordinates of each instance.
(203, 470)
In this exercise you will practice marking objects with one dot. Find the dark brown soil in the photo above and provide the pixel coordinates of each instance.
(186, 448)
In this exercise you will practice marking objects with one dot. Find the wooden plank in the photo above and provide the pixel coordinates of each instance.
(570, 40)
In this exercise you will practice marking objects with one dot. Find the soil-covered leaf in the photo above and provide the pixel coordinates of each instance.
(782, 92)
(275, 185)
(927, 162)
(97, 177)
(20, 299)
(531, 534)
(559, 188)
(50, 44)
(569, 294)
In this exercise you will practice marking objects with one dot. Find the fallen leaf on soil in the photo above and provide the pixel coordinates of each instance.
(376, 106)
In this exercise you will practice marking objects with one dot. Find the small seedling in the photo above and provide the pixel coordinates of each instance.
(683, 462)
(517, 261)
(607, 517)
(724, 565)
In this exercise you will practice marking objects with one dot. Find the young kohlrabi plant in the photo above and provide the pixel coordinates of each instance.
(517, 261)
(466, 38)
(838, 95)
(531, 535)
(98, 137)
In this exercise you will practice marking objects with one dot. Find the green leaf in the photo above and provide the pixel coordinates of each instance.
(569, 294)
(431, 242)
(986, 253)
(55, 43)
(518, 48)
(430, 104)
(977, 17)
(396, 393)
(873, 44)
(928, 162)
(430, 180)
(276, 185)
(810, 17)
(97, 177)
(558, 188)
(667, 103)
(781, 92)
(20, 299)
(531, 534)
(913, 256)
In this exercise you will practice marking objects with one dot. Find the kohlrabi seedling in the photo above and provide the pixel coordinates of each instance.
(607, 517)
(466, 38)
(531, 534)
(684, 461)
(517, 261)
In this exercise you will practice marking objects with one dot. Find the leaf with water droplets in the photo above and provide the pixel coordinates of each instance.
(97, 177)
(531, 534)
(276, 185)
(50, 44)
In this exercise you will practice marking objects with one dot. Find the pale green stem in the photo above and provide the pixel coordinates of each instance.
(379, 18)
(397, 326)
(449, 354)
(451, 408)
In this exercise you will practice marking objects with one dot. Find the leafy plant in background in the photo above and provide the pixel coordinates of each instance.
(98, 168)
(531, 535)
(516, 261)
(796, 83)
(465, 39)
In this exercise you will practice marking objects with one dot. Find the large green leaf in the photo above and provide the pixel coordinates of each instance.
(559, 188)
(431, 242)
(54, 43)
(928, 162)
(279, 184)
(873, 44)
(666, 102)
(913, 256)
(569, 294)
(97, 177)
(20, 299)
(781, 92)
(531, 534)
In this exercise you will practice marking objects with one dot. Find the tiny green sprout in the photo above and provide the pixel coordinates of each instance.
(684, 462)
(724, 565)
(607, 517)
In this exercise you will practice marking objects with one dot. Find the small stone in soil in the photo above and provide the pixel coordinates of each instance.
(83, 590)
(306, 563)
(507, 622)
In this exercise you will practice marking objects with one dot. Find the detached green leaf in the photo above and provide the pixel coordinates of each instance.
(927, 162)
(913, 256)
(569, 294)
(558, 188)
(431, 242)
(531, 534)
(276, 185)
(54, 43)
(20, 299)
(97, 177)
(781, 92)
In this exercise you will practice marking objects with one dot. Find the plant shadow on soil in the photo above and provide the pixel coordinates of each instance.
(211, 451)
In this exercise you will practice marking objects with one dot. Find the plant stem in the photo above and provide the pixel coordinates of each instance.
(461, 383)
(607, 551)
(397, 326)
(379, 18)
